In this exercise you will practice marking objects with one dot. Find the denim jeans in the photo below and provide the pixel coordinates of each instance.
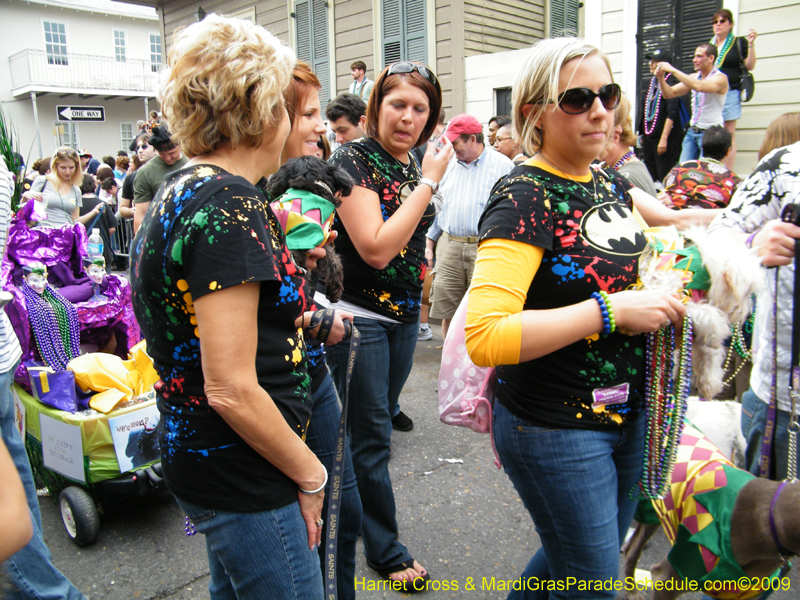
(323, 438)
(381, 369)
(692, 145)
(31, 569)
(575, 484)
(252, 556)
(754, 421)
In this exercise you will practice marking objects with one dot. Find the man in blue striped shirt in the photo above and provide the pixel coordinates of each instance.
(464, 190)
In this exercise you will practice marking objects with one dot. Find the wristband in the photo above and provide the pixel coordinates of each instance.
(430, 183)
(319, 489)
(749, 241)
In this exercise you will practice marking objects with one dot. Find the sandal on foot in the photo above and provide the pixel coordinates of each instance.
(408, 586)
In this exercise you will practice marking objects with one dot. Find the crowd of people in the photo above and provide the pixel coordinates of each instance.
(538, 227)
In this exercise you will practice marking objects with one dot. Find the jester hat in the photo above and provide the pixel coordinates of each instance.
(305, 217)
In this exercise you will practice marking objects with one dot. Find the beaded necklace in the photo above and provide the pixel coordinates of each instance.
(54, 321)
(726, 45)
(623, 159)
(666, 389)
(652, 106)
(711, 160)
(738, 345)
(698, 102)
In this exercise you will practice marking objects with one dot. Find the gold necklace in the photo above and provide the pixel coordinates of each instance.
(594, 195)
(239, 173)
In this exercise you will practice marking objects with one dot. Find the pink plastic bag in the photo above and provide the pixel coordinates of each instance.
(465, 390)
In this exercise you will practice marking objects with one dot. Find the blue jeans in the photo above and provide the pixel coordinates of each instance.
(381, 369)
(576, 486)
(754, 421)
(31, 569)
(322, 438)
(692, 145)
(252, 556)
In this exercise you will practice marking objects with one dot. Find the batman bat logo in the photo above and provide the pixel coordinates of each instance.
(612, 228)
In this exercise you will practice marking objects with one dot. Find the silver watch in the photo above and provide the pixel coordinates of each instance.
(430, 183)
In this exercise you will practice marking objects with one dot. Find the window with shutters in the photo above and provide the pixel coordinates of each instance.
(403, 31)
(677, 26)
(311, 25)
(564, 18)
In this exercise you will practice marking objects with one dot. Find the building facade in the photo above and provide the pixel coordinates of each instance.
(78, 73)
(332, 34)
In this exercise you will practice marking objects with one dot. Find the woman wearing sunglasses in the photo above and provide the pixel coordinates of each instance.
(382, 226)
(559, 247)
(732, 52)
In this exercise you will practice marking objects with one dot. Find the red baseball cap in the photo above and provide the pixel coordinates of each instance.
(462, 124)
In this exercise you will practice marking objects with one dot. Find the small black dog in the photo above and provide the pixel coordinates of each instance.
(329, 182)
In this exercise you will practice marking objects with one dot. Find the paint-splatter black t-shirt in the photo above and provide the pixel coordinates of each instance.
(396, 291)
(597, 382)
(205, 231)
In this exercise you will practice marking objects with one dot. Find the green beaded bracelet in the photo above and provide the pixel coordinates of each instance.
(611, 322)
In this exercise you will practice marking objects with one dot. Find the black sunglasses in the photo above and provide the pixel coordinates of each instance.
(407, 67)
(575, 101)
(142, 146)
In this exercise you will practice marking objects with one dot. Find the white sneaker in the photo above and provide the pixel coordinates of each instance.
(425, 333)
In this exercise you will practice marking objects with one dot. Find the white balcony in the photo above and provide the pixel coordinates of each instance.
(36, 71)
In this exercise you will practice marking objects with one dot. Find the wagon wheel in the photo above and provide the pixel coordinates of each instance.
(79, 514)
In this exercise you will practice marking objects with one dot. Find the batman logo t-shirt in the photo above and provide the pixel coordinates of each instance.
(590, 245)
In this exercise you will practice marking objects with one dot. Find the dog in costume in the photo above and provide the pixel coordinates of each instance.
(728, 529)
(304, 194)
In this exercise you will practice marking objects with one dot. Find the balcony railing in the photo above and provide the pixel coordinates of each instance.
(35, 70)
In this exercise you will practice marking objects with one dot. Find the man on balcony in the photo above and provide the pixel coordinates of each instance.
(150, 177)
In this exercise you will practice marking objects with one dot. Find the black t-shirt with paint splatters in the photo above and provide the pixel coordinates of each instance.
(396, 291)
(598, 382)
(208, 230)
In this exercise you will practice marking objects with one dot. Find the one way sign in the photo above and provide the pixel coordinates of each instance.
(81, 113)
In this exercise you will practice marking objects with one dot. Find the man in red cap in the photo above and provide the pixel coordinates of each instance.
(464, 191)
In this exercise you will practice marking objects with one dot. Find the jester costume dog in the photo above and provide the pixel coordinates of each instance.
(696, 514)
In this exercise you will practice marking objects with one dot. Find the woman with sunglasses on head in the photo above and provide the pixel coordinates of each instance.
(302, 104)
(60, 191)
(549, 307)
(732, 51)
(381, 227)
(220, 303)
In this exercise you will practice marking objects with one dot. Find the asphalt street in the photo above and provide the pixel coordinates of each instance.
(459, 516)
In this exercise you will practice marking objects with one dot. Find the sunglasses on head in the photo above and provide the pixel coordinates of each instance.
(407, 67)
(575, 101)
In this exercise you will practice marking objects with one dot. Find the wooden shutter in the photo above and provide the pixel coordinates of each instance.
(656, 32)
(404, 31)
(694, 28)
(311, 25)
(564, 18)
(392, 32)
(414, 34)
